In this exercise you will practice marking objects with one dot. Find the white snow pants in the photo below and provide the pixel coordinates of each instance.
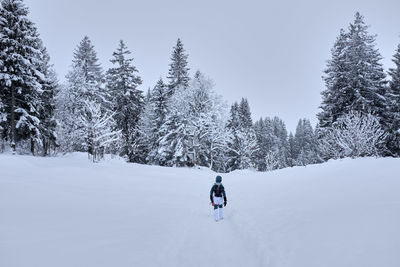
(218, 212)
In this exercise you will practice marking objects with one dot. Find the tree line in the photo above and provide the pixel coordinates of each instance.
(182, 121)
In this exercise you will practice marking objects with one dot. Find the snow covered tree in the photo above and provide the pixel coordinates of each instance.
(97, 130)
(394, 105)
(243, 147)
(159, 98)
(127, 100)
(155, 114)
(245, 114)
(261, 134)
(70, 105)
(84, 83)
(85, 56)
(353, 135)
(355, 80)
(292, 151)
(167, 154)
(337, 97)
(282, 142)
(273, 144)
(3, 119)
(147, 132)
(19, 73)
(193, 132)
(178, 73)
(208, 115)
(219, 139)
(306, 146)
(47, 117)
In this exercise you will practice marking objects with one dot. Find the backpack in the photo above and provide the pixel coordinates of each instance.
(218, 189)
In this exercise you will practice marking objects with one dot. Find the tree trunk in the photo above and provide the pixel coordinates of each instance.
(12, 119)
(45, 147)
(33, 146)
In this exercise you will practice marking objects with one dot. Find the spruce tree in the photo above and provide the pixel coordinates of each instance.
(127, 100)
(274, 147)
(367, 77)
(355, 79)
(194, 132)
(159, 97)
(394, 105)
(292, 151)
(245, 114)
(147, 131)
(306, 148)
(282, 143)
(85, 56)
(84, 83)
(178, 73)
(19, 73)
(154, 117)
(337, 96)
(260, 131)
(47, 117)
(243, 147)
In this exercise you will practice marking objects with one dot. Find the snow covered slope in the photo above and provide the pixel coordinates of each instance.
(66, 211)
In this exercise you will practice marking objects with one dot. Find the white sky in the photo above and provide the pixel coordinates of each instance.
(271, 52)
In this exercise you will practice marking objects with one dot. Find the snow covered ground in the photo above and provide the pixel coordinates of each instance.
(66, 211)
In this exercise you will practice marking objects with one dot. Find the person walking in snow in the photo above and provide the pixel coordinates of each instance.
(217, 194)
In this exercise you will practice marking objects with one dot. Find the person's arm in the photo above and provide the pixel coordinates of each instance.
(223, 192)
(211, 194)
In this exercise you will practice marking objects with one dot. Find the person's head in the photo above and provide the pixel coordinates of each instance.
(218, 179)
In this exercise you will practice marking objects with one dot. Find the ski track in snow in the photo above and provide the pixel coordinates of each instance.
(67, 211)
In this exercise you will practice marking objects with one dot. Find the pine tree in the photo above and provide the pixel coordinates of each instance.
(85, 56)
(154, 117)
(147, 131)
(3, 120)
(292, 151)
(355, 79)
(274, 149)
(178, 73)
(337, 97)
(194, 132)
(394, 105)
(220, 138)
(245, 114)
(173, 141)
(84, 83)
(127, 100)
(19, 73)
(282, 143)
(243, 147)
(47, 117)
(159, 97)
(234, 127)
(70, 105)
(271, 144)
(306, 147)
(260, 131)
(85, 60)
(367, 74)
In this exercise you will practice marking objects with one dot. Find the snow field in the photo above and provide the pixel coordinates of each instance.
(66, 211)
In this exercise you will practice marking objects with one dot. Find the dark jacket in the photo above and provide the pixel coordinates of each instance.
(218, 191)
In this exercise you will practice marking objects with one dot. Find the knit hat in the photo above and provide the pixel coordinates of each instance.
(218, 179)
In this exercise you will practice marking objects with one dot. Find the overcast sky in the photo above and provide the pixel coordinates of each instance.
(271, 52)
